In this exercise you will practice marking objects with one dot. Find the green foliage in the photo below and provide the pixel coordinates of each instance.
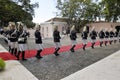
(2, 64)
(26, 5)
(74, 10)
(21, 10)
(87, 10)
(111, 10)
(29, 24)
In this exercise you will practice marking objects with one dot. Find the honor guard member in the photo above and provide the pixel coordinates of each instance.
(111, 35)
(73, 37)
(84, 36)
(6, 35)
(101, 36)
(13, 37)
(115, 35)
(106, 36)
(93, 35)
(38, 41)
(22, 40)
(56, 37)
(119, 36)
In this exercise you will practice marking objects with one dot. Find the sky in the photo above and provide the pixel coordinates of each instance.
(45, 11)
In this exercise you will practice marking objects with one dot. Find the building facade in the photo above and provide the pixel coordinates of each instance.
(47, 27)
(103, 25)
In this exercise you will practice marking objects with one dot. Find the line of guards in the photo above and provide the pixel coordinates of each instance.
(17, 39)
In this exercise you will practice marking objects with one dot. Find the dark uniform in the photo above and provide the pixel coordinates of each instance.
(38, 41)
(111, 36)
(119, 36)
(115, 36)
(84, 38)
(22, 43)
(101, 36)
(13, 37)
(93, 36)
(56, 36)
(73, 37)
(106, 37)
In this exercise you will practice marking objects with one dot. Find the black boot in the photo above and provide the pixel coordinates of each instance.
(101, 44)
(9, 49)
(56, 51)
(110, 42)
(38, 56)
(23, 56)
(18, 55)
(15, 51)
(12, 51)
(93, 45)
(72, 49)
(105, 43)
(84, 47)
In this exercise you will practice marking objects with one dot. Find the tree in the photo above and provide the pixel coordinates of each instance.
(26, 5)
(111, 10)
(11, 11)
(89, 10)
(74, 10)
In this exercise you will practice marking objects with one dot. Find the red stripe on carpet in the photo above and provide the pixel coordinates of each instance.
(46, 51)
(7, 56)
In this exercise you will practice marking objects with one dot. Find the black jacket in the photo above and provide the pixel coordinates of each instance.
(93, 34)
(106, 34)
(38, 38)
(111, 34)
(101, 34)
(56, 36)
(116, 34)
(73, 35)
(23, 36)
(84, 35)
(119, 34)
(13, 35)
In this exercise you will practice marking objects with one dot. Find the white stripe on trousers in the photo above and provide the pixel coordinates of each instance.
(74, 42)
(13, 45)
(22, 47)
(39, 46)
(84, 41)
(57, 44)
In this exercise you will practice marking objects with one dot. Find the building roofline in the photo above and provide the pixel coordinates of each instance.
(62, 19)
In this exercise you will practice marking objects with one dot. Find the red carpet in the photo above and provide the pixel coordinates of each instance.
(46, 51)
(7, 56)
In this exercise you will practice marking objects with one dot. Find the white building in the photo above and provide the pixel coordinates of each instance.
(47, 27)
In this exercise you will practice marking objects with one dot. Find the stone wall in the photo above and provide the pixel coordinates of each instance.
(104, 25)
